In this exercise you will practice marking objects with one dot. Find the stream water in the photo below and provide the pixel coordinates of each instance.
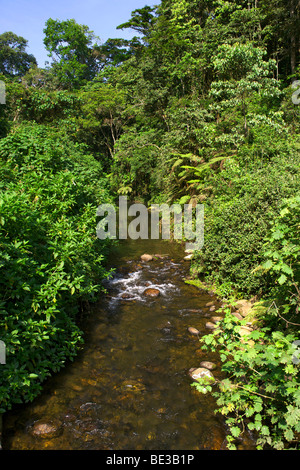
(129, 388)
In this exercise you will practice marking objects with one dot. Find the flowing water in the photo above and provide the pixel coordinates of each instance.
(130, 388)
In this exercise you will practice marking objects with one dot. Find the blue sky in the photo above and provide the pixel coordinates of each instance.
(27, 18)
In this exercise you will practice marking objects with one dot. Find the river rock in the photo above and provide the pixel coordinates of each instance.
(210, 325)
(244, 331)
(202, 373)
(237, 315)
(244, 307)
(208, 365)
(133, 386)
(146, 257)
(193, 331)
(151, 292)
(159, 256)
(216, 319)
(46, 430)
(126, 296)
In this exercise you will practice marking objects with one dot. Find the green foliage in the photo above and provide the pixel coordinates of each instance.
(247, 199)
(260, 393)
(142, 19)
(116, 50)
(134, 163)
(44, 106)
(51, 259)
(282, 254)
(71, 47)
(14, 60)
(102, 118)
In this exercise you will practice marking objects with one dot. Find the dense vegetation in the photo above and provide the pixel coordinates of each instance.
(197, 108)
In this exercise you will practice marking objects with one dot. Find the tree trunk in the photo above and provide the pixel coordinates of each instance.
(294, 33)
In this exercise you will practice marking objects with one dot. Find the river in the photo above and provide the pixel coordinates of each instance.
(129, 388)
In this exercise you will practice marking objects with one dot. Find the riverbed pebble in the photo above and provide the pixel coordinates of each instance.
(146, 257)
(193, 330)
(202, 373)
(126, 296)
(208, 365)
(216, 319)
(210, 325)
(46, 430)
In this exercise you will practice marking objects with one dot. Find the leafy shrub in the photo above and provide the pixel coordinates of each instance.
(283, 257)
(50, 259)
(261, 392)
(248, 196)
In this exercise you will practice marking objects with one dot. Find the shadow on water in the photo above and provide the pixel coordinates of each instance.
(129, 387)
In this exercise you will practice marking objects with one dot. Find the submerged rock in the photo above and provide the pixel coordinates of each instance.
(193, 331)
(127, 296)
(46, 430)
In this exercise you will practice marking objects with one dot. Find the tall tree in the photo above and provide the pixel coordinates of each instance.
(14, 60)
(295, 38)
(116, 50)
(142, 20)
(72, 49)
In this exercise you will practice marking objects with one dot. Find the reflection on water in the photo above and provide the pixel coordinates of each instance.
(129, 387)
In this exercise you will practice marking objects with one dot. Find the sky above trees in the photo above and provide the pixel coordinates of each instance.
(27, 18)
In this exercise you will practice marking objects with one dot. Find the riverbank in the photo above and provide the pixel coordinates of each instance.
(259, 359)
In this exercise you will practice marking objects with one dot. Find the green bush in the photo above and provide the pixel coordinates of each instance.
(282, 254)
(248, 196)
(261, 392)
(51, 259)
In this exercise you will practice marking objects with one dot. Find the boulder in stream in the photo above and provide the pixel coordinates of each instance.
(193, 330)
(151, 292)
(127, 296)
(216, 319)
(146, 257)
(46, 429)
(202, 373)
(210, 325)
(208, 365)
